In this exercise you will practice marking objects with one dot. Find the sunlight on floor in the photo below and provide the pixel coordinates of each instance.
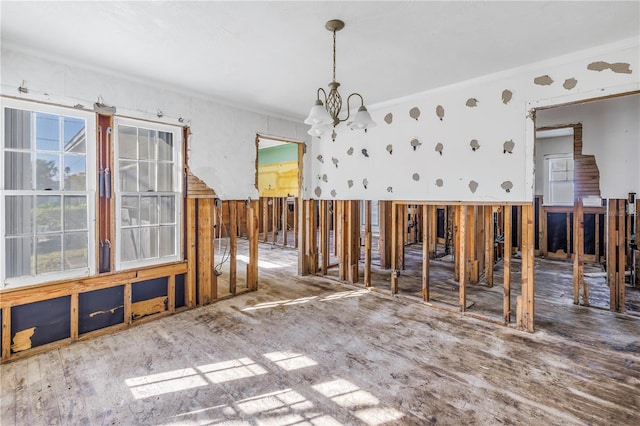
(281, 407)
(262, 263)
(289, 302)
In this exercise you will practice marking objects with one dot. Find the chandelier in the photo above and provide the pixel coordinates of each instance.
(324, 116)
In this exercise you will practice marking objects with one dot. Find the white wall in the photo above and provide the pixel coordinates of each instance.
(610, 132)
(222, 144)
(410, 174)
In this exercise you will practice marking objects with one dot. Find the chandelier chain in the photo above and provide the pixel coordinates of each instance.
(334, 55)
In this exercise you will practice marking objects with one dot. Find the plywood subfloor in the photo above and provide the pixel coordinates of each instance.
(313, 351)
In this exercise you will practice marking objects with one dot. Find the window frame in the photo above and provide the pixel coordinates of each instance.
(548, 189)
(178, 185)
(90, 120)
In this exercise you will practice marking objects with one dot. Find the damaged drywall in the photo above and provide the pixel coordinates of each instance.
(543, 80)
(570, 83)
(618, 67)
(472, 102)
(388, 118)
(507, 95)
(440, 112)
(414, 113)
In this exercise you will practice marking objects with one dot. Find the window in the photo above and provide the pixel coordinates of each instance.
(47, 191)
(560, 180)
(148, 193)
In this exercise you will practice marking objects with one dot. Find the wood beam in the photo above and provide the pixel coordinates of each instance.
(254, 235)
(6, 333)
(233, 246)
(433, 230)
(324, 235)
(488, 245)
(396, 234)
(367, 243)
(616, 253)
(462, 253)
(579, 285)
(506, 261)
(192, 261)
(427, 213)
(526, 309)
(353, 240)
(206, 277)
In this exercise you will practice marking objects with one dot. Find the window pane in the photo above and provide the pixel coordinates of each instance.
(49, 213)
(127, 142)
(128, 176)
(75, 212)
(148, 243)
(18, 215)
(48, 171)
(165, 146)
(19, 252)
(47, 132)
(167, 209)
(49, 254)
(76, 252)
(17, 170)
(147, 176)
(17, 129)
(130, 211)
(165, 177)
(75, 137)
(147, 144)
(167, 240)
(129, 244)
(75, 172)
(558, 165)
(149, 210)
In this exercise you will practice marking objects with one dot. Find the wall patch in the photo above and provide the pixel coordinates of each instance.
(388, 118)
(320, 158)
(415, 177)
(390, 149)
(473, 185)
(439, 183)
(439, 148)
(507, 185)
(350, 183)
(325, 178)
(364, 152)
(350, 151)
(474, 144)
(570, 83)
(389, 188)
(440, 112)
(472, 102)
(543, 80)
(415, 143)
(334, 160)
(414, 113)
(508, 146)
(617, 67)
(365, 183)
(333, 193)
(318, 191)
(506, 96)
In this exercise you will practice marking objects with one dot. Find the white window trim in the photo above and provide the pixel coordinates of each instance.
(178, 184)
(547, 181)
(90, 119)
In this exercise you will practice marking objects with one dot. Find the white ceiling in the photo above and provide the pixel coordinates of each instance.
(272, 56)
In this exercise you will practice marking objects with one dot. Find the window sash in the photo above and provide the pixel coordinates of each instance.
(136, 243)
(72, 144)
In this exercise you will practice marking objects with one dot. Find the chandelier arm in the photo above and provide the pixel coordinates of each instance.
(349, 106)
(320, 89)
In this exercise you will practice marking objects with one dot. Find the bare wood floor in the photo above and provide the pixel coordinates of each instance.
(313, 351)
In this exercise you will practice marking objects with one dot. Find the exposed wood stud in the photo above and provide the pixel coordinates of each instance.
(384, 241)
(396, 235)
(427, 213)
(580, 288)
(74, 316)
(616, 255)
(206, 278)
(190, 290)
(367, 243)
(171, 293)
(353, 240)
(128, 317)
(6, 333)
(325, 225)
(488, 244)
(462, 251)
(233, 246)
(506, 260)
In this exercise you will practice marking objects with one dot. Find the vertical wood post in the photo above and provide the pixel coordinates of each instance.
(462, 252)
(488, 245)
(324, 236)
(353, 239)
(192, 260)
(296, 220)
(233, 246)
(385, 239)
(6, 333)
(367, 243)
(616, 253)
(171, 293)
(254, 235)
(128, 318)
(396, 234)
(579, 284)
(433, 230)
(427, 213)
(205, 250)
(274, 219)
(526, 321)
(506, 259)
(74, 316)
(285, 224)
(456, 243)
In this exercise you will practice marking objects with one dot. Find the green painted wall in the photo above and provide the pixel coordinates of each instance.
(278, 154)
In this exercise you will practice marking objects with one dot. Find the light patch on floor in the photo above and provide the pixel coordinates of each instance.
(290, 360)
